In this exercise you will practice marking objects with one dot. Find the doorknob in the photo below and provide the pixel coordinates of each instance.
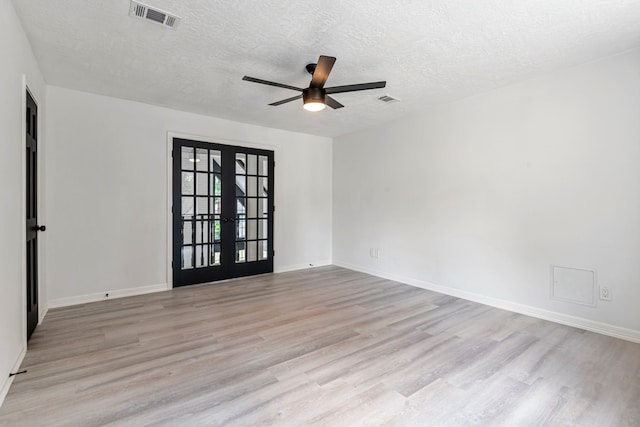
(39, 228)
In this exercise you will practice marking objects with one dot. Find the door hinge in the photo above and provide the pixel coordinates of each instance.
(171, 264)
(273, 253)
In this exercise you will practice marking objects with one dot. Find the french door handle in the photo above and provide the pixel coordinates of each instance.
(228, 220)
(39, 228)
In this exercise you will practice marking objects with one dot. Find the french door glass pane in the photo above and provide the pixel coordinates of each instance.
(262, 250)
(241, 186)
(252, 208)
(215, 254)
(202, 159)
(263, 208)
(263, 166)
(216, 161)
(216, 184)
(252, 251)
(187, 207)
(240, 206)
(187, 232)
(240, 229)
(202, 255)
(252, 186)
(201, 206)
(202, 186)
(216, 207)
(262, 229)
(240, 252)
(252, 164)
(241, 161)
(263, 187)
(202, 232)
(187, 257)
(187, 158)
(187, 183)
(216, 230)
(252, 229)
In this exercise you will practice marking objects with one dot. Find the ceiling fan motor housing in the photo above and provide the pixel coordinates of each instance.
(313, 94)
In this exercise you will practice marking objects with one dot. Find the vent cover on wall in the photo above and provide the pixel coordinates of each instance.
(143, 11)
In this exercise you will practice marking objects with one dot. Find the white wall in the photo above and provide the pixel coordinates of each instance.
(17, 61)
(484, 194)
(107, 168)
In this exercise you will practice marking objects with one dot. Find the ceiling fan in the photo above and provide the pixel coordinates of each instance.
(316, 96)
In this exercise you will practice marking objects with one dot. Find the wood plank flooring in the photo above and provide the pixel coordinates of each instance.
(325, 346)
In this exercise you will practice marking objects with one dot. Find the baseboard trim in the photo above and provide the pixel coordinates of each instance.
(101, 296)
(9, 380)
(42, 313)
(296, 267)
(540, 313)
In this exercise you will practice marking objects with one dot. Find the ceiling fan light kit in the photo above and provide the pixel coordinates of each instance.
(315, 98)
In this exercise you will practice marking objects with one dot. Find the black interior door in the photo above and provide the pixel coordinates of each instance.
(32, 214)
(222, 211)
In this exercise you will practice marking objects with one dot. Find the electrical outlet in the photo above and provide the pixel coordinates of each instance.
(374, 253)
(605, 293)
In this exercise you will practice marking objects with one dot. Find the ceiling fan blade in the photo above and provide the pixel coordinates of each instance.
(321, 73)
(353, 88)
(332, 102)
(284, 101)
(266, 82)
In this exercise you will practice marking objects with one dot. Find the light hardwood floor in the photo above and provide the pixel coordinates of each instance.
(324, 346)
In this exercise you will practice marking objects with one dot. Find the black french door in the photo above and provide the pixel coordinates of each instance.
(32, 214)
(222, 211)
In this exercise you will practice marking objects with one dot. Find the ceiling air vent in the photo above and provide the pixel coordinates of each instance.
(143, 11)
(388, 98)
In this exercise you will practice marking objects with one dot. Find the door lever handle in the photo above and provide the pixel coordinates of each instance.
(39, 228)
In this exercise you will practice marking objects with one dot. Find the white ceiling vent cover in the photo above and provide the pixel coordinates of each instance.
(143, 11)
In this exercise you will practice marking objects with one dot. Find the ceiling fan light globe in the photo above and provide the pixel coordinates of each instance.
(314, 106)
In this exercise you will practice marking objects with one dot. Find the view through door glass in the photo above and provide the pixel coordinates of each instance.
(222, 212)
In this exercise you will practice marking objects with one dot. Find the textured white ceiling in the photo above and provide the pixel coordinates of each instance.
(428, 51)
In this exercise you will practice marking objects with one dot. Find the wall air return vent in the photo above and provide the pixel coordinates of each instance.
(388, 98)
(143, 11)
